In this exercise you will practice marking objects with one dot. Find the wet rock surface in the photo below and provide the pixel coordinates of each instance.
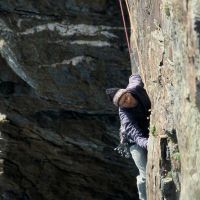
(167, 35)
(58, 128)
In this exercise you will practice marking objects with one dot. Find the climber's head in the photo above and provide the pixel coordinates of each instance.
(121, 97)
(127, 100)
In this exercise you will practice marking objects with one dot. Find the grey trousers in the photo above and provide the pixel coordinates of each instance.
(139, 156)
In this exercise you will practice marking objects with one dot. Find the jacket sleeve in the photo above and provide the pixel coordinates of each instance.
(133, 132)
(135, 82)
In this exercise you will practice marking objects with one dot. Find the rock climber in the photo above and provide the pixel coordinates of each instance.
(134, 107)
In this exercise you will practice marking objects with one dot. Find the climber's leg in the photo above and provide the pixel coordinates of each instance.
(139, 156)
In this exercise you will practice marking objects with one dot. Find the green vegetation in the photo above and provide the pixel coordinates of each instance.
(176, 156)
(166, 9)
(169, 174)
(153, 130)
(176, 161)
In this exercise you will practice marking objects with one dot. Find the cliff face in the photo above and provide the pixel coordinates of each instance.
(167, 36)
(58, 128)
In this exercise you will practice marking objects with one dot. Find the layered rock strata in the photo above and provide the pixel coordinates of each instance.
(58, 128)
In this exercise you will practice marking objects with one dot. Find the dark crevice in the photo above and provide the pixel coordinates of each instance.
(7, 88)
(197, 29)
(198, 94)
(170, 166)
(161, 62)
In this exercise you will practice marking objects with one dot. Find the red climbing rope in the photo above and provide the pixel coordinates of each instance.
(125, 27)
(134, 36)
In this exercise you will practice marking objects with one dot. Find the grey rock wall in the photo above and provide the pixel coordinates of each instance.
(167, 35)
(58, 128)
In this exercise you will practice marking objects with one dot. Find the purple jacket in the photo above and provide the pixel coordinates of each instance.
(135, 121)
